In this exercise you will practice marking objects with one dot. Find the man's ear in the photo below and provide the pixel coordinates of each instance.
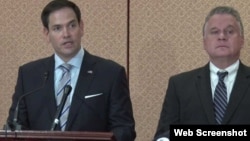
(46, 34)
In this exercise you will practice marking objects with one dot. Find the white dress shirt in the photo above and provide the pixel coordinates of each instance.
(76, 62)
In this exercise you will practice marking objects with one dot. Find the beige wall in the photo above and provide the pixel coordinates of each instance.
(165, 39)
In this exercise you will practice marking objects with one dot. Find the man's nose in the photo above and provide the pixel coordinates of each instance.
(66, 32)
(222, 36)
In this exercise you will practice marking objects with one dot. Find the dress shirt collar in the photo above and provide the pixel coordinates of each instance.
(232, 69)
(228, 80)
(76, 61)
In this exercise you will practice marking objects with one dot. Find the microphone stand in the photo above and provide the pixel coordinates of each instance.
(67, 90)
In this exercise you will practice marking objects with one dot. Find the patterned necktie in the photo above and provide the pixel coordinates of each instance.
(65, 80)
(220, 97)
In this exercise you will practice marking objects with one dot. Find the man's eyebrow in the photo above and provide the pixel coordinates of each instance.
(72, 21)
(229, 26)
(214, 28)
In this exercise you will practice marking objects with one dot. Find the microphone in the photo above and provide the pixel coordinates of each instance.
(14, 125)
(66, 92)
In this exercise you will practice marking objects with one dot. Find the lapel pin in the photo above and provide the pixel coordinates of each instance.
(90, 71)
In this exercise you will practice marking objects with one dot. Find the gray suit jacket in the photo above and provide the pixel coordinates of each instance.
(101, 101)
(189, 100)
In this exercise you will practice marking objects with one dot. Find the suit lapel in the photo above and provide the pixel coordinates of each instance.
(241, 84)
(49, 87)
(85, 78)
(204, 90)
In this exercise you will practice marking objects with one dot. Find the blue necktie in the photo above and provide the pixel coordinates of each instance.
(220, 97)
(65, 80)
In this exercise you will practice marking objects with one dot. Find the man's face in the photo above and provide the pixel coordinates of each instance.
(64, 33)
(222, 37)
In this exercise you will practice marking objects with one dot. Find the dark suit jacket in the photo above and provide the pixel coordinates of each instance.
(110, 111)
(189, 100)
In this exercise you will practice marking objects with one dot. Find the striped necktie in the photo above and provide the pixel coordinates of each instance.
(65, 80)
(220, 97)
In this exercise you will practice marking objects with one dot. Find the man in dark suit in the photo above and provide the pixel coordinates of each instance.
(191, 96)
(100, 98)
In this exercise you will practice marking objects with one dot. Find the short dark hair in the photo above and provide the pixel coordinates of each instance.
(56, 5)
(225, 10)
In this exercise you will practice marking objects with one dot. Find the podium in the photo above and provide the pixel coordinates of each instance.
(25, 135)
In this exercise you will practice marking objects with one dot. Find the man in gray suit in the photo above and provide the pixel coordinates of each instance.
(100, 98)
(191, 96)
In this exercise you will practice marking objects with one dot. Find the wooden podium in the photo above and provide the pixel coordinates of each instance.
(7, 135)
